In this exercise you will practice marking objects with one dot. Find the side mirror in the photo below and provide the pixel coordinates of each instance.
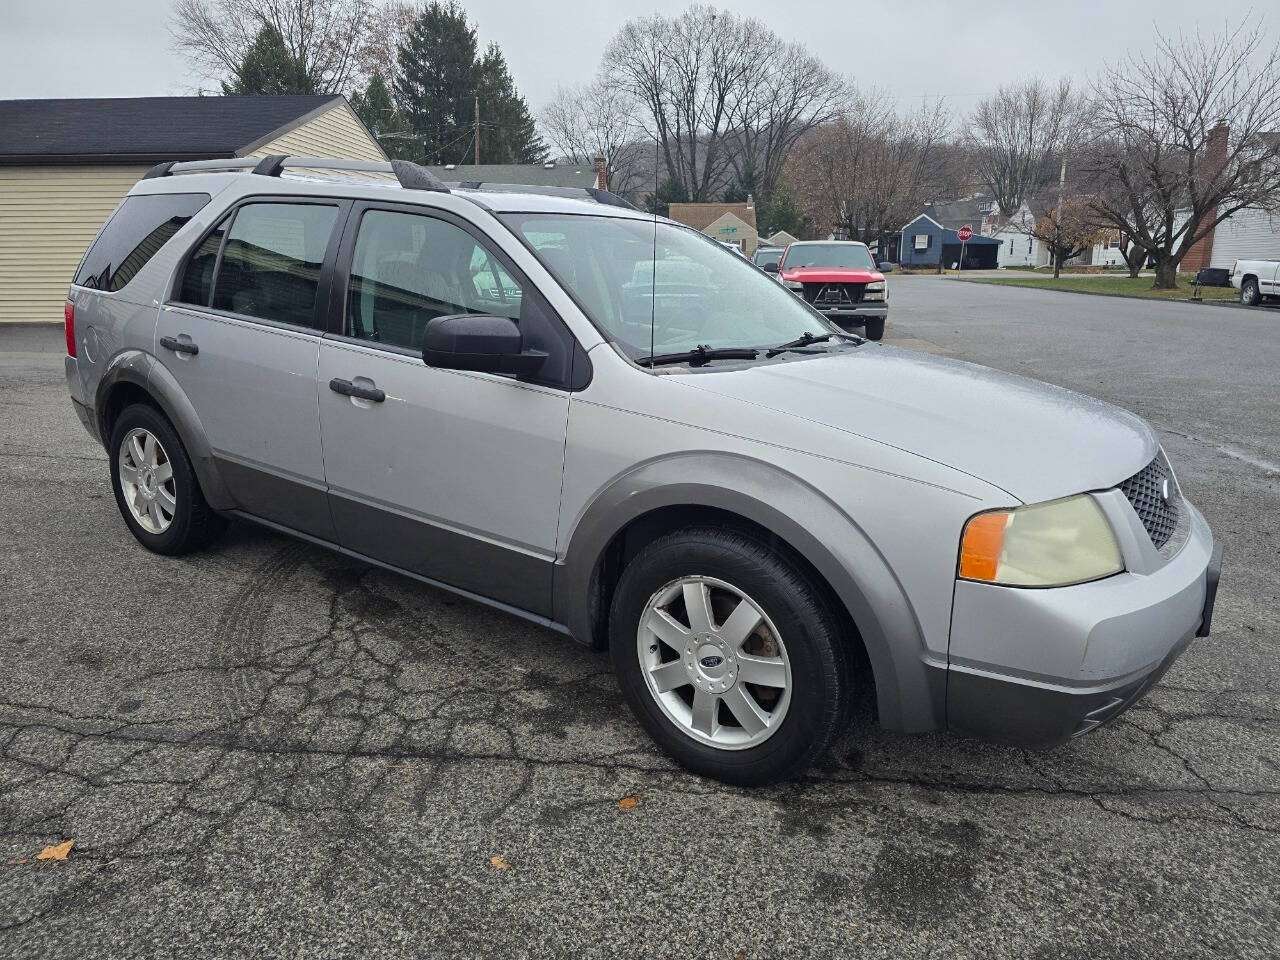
(770, 267)
(475, 341)
(885, 266)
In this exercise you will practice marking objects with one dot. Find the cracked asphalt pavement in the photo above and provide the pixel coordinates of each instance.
(270, 750)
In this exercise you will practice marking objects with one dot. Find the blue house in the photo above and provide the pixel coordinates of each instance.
(924, 240)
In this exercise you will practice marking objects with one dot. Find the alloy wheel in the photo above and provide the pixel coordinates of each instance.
(146, 480)
(714, 663)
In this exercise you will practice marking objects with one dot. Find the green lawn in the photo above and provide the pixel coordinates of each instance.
(1108, 286)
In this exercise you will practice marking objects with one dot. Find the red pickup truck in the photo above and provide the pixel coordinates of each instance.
(839, 278)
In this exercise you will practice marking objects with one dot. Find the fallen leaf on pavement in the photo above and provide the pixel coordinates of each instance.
(57, 852)
(627, 802)
(498, 863)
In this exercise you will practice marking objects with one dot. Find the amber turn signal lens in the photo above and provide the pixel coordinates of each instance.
(982, 544)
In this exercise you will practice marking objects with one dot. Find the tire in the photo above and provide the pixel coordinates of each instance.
(874, 328)
(1249, 293)
(802, 716)
(191, 523)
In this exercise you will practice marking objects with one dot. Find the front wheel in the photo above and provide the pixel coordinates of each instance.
(874, 328)
(728, 656)
(1249, 294)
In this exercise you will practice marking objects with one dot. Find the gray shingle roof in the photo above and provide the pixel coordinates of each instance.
(143, 129)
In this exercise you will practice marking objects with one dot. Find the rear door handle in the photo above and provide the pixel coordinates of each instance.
(349, 389)
(179, 346)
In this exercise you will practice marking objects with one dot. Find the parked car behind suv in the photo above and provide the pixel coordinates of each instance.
(1256, 280)
(607, 424)
(840, 279)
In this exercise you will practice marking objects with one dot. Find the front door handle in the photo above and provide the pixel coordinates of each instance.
(349, 389)
(179, 346)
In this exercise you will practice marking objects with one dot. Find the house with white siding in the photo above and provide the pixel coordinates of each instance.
(65, 165)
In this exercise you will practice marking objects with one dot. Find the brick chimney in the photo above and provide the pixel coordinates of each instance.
(1215, 158)
(602, 178)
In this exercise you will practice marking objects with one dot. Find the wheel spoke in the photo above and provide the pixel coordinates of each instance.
(139, 503)
(766, 671)
(697, 605)
(668, 676)
(664, 626)
(149, 450)
(704, 712)
(740, 624)
(129, 474)
(744, 709)
(135, 451)
(166, 501)
(164, 472)
(157, 517)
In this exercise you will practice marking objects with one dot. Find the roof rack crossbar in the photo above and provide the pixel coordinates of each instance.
(410, 176)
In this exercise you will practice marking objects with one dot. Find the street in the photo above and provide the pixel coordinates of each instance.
(271, 750)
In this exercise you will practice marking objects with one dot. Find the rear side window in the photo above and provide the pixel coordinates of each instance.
(271, 260)
(140, 227)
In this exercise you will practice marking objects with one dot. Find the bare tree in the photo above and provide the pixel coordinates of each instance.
(598, 119)
(869, 170)
(325, 36)
(687, 73)
(788, 93)
(1018, 135)
(1185, 138)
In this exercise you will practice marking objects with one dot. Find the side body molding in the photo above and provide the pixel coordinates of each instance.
(910, 687)
(143, 370)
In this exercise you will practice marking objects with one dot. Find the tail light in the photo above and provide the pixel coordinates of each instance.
(69, 321)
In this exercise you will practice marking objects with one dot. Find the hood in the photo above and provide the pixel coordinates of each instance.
(832, 274)
(1031, 439)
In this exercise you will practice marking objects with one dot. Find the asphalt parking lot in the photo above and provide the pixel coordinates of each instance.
(269, 750)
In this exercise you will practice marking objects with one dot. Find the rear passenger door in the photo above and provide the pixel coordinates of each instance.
(241, 335)
(451, 474)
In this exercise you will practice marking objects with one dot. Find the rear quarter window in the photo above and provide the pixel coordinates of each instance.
(140, 227)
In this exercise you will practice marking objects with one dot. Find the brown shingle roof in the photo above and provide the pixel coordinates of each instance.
(702, 215)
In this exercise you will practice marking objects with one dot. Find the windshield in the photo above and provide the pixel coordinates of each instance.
(765, 257)
(693, 292)
(850, 255)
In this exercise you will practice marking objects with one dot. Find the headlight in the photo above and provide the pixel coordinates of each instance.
(793, 284)
(875, 285)
(1050, 544)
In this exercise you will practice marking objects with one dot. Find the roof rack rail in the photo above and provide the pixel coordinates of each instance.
(410, 176)
(574, 193)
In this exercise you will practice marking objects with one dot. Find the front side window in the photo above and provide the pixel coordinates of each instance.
(663, 288)
(408, 269)
(271, 261)
(134, 234)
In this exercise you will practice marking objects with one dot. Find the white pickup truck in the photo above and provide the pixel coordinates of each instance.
(1256, 280)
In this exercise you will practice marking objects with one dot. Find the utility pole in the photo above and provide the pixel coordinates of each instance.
(477, 133)
(1057, 218)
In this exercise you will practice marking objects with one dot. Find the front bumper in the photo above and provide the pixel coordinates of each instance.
(857, 315)
(1038, 667)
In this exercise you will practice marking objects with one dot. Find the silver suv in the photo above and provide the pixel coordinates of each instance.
(608, 424)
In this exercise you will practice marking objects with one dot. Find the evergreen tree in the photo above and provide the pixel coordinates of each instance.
(377, 111)
(269, 68)
(670, 191)
(508, 133)
(435, 84)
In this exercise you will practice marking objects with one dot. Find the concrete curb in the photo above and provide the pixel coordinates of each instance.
(1090, 293)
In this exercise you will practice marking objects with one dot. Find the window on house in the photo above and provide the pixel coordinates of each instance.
(922, 241)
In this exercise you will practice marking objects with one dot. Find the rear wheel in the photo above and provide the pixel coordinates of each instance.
(1249, 295)
(155, 486)
(874, 328)
(728, 656)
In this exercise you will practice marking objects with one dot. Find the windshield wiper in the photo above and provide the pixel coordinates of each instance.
(699, 355)
(807, 338)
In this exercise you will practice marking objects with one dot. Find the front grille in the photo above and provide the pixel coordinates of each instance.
(834, 294)
(1145, 491)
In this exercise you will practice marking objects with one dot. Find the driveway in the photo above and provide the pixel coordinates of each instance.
(268, 750)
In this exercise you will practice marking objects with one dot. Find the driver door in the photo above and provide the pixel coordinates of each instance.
(451, 474)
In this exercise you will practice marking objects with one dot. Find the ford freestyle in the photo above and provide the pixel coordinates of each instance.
(840, 279)
(606, 423)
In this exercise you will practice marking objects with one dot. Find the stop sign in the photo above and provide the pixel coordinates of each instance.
(965, 233)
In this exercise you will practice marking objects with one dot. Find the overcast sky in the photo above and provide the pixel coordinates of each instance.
(961, 50)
